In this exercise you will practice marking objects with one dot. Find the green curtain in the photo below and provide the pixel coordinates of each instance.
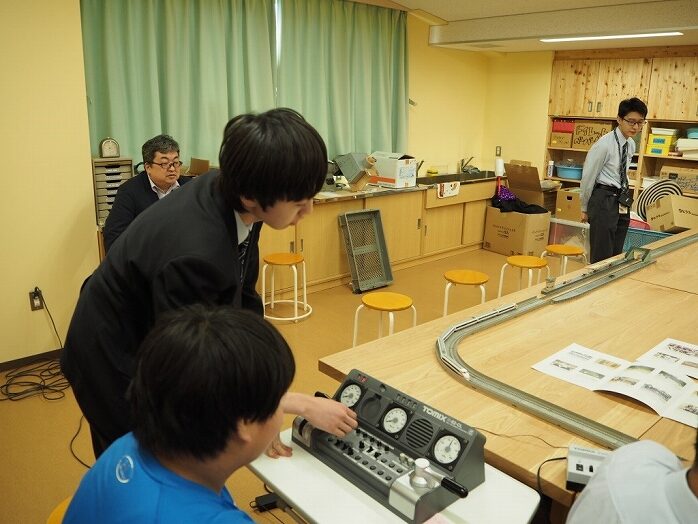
(181, 67)
(343, 65)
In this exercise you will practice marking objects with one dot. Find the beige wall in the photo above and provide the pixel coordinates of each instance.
(468, 103)
(47, 231)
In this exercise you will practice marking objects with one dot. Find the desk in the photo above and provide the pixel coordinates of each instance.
(318, 494)
(624, 318)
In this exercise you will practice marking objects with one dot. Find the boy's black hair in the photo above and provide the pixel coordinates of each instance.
(202, 370)
(632, 104)
(160, 143)
(269, 157)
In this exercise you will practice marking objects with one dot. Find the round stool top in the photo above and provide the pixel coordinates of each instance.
(564, 249)
(466, 276)
(386, 301)
(526, 261)
(283, 259)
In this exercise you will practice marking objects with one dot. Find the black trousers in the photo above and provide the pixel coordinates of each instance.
(607, 227)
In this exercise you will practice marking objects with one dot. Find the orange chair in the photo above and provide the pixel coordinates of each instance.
(384, 301)
(291, 260)
(464, 277)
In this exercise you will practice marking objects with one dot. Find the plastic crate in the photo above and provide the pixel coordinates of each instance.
(366, 250)
(640, 237)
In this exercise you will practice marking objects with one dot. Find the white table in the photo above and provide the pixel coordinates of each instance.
(318, 494)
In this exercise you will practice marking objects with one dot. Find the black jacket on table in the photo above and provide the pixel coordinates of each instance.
(132, 198)
(182, 251)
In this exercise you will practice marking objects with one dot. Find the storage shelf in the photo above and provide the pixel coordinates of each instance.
(567, 180)
(665, 157)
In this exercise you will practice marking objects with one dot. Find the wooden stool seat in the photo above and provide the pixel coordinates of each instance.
(465, 277)
(384, 301)
(527, 262)
(564, 251)
(291, 260)
(56, 516)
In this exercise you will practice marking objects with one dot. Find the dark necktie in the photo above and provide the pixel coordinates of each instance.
(623, 167)
(242, 250)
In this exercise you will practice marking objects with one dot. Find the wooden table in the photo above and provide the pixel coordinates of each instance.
(624, 318)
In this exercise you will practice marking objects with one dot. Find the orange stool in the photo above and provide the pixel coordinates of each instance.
(564, 251)
(523, 262)
(384, 301)
(56, 516)
(291, 260)
(464, 277)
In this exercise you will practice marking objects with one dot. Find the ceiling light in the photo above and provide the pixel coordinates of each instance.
(610, 37)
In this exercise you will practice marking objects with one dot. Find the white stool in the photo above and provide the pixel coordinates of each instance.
(464, 277)
(384, 301)
(289, 260)
(523, 262)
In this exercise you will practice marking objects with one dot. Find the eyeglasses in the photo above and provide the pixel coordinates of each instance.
(633, 123)
(167, 165)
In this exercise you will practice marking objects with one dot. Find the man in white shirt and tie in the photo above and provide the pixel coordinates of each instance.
(605, 197)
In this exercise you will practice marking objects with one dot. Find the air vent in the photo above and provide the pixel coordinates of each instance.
(419, 433)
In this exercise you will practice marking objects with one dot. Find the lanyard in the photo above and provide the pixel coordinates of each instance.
(623, 169)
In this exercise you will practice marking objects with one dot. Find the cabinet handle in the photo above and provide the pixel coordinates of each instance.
(598, 107)
(419, 223)
(291, 246)
(589, 107)
(425, 230)
(301, 245)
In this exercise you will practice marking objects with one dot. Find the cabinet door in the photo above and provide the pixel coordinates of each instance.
(401, 217)
(276, 241)
(674, 89)
(319, 238)
(443, 228)
(474, 222)
(620, 79)
(573, 87)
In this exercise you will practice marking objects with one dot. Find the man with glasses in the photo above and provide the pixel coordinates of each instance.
(160, 178)
(605, 195)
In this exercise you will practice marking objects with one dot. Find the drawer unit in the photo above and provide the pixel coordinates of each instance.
(107, 175)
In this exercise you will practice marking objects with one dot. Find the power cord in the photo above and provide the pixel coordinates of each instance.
(72, 440)
(522, 435)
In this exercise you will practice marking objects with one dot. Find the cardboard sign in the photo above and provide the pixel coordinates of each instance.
(586, 133)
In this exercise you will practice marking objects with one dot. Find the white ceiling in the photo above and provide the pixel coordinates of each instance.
(517, 25)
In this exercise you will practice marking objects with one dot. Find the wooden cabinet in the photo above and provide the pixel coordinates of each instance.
(401, 217)
(474, 222)
(593, 88)
(443, 228)
(673, 93)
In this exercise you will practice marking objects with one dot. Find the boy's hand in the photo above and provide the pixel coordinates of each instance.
(330, 416)
(278, 449)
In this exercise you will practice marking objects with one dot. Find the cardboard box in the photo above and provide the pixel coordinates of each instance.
(394, 169)
(561, 139)
(685, 177)
(567, 205)
(352, 165)
(658, 149)
(524, 182)
(673, 214)
(515, 233)
(563, 126)
(586, 133)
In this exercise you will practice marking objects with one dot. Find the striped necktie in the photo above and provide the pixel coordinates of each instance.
(623, 167)
(242, 251)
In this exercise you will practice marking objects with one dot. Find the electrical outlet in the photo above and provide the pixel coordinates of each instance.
(36, 299)
(582, 464)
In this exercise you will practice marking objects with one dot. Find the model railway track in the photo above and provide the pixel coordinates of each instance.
(597, 276)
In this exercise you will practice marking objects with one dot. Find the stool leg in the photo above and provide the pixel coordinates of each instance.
(414, 315)
(446, 292)
(530, 277)
(273, 274)
(295, 291)
(564, 264)
(305, 289)
(501, 280)
(264, 290)
(356, 324)
(391, 322)
(482, 293)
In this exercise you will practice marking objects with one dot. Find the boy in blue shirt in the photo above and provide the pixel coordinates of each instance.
(205, 401)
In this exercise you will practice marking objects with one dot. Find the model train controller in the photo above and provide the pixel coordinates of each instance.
(408, 456)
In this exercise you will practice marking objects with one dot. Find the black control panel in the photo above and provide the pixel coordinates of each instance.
(408, 456)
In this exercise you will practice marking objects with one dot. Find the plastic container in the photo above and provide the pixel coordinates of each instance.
(570, 172)
(692, 132)
(551, 167)
(664, 131)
